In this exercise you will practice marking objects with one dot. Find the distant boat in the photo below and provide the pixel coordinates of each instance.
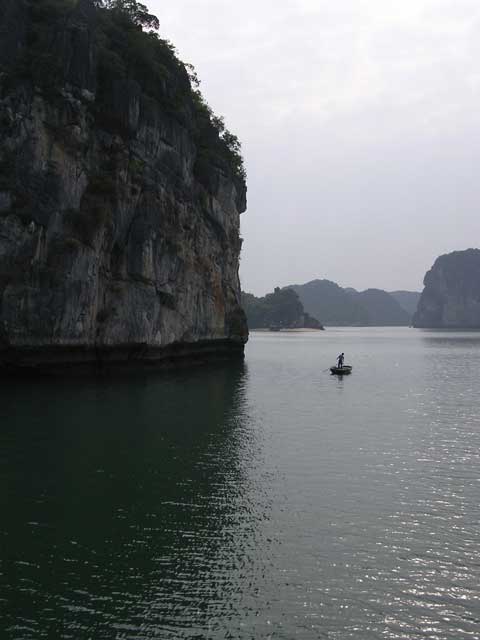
(274, 327)
(341, 371)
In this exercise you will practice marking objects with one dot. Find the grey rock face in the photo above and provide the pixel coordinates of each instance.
(451, 298)
(12, 30)
(111, 247)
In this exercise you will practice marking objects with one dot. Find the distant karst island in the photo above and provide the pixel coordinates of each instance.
(321, 303)
(120, 194)
(337, 306)
(451, 297)
(279, 310)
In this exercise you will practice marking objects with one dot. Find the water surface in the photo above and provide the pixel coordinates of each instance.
(262, 500)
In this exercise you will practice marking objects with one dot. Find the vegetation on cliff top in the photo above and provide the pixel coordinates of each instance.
(280, 309)
(129, 49)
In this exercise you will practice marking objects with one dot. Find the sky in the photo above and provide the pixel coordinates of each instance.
(360, 127)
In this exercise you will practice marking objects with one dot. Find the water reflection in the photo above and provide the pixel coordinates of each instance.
(128, 503)
(449, 338)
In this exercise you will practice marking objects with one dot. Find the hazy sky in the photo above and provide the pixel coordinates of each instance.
(360, 124)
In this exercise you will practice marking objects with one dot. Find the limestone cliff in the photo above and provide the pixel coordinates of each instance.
(119, 197)
(451, 297)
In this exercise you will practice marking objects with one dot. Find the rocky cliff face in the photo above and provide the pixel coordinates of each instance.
(119, 206)
(451, 298)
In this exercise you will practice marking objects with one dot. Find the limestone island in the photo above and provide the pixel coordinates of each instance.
(278, 311)
(451, 297)
(338, 306)
(120, 194)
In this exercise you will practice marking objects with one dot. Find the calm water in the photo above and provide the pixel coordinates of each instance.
(264, 500)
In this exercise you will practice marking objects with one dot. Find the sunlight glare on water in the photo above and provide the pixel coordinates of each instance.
(259, 500)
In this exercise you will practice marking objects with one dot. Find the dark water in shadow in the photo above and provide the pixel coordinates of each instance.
(265, 500)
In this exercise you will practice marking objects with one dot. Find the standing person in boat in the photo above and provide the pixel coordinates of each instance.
(340, 360)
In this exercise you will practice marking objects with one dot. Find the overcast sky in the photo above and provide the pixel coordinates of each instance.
(360, 125)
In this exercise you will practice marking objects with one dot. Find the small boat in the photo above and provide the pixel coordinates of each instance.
(341, 371)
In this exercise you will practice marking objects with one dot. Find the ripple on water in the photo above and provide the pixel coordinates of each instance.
(265, 501)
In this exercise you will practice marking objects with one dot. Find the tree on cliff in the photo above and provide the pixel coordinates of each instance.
(213, 136)
(137, 11)
(129, 49)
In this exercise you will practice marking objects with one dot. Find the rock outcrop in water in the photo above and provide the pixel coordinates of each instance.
(120, 195)
(281, 309)
(451, 297)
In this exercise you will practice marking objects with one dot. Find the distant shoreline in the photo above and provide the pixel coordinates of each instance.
(295, 330)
